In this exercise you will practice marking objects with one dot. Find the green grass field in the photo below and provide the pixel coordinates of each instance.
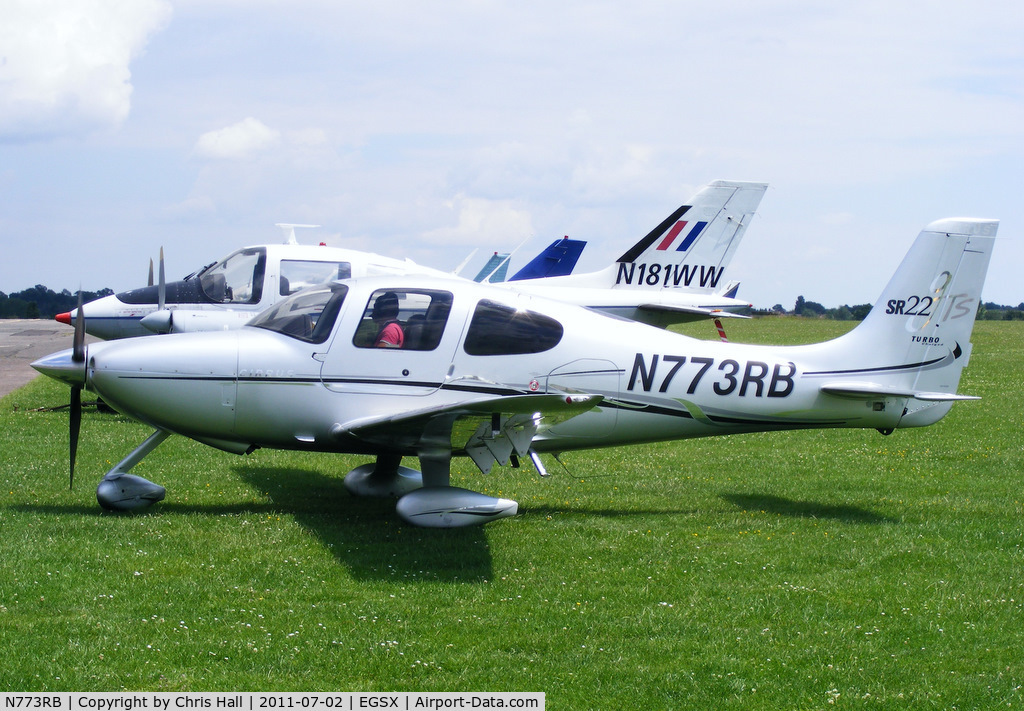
(801, 570)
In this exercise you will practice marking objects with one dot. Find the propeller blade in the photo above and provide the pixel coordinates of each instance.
(162, 287)
(78, 344)
(75, 427)
(78, 355)
(150, 272)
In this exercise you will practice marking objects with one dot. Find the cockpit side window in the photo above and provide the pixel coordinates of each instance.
(409, 320)
(296, 274)
(308, 316)
(237, 279)
(498, 329)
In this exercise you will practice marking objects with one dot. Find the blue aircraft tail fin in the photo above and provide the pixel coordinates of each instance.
(731, 289)
(558, 259)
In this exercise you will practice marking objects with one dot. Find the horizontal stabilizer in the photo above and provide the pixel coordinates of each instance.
(868, 391)
(696, 311)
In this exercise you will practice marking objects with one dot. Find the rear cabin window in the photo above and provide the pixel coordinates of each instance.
(296, 274)
(497, 329)
(406, 320)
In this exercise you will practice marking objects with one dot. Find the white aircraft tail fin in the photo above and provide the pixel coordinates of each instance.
(917, 334)
(693, 246)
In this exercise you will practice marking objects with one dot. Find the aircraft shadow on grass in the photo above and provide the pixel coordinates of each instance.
(364, 535)
(583, 511)
(357, 529)
(805, 509)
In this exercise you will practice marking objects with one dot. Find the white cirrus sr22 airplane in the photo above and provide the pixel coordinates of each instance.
(671, 275)
(435, 368)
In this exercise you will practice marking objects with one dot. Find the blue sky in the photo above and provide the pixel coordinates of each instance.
(423, 130)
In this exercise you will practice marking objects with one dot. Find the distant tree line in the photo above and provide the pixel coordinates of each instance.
(988, 311)
(40, 302)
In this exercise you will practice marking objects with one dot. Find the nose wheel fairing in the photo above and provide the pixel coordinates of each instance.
(121, 491)
(127, 492)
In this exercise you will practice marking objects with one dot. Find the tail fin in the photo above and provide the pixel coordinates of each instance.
(694, 245)
(688, 252)
(731, 289)
(558, 259)
(916, 339)
(495, 269)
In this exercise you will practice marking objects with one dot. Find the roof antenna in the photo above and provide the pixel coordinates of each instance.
(289, 231)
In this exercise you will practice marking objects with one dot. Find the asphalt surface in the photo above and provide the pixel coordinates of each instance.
(23, 341)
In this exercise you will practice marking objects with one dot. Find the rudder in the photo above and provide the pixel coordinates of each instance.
(693, 246)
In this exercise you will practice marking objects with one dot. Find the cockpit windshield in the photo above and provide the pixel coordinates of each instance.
(238, 279)
(308, 316)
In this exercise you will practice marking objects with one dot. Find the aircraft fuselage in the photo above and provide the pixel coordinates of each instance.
(258, 387)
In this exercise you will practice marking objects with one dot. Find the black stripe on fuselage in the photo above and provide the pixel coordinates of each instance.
(880, 369)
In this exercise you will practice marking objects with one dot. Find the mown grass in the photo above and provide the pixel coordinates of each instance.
(787, 570)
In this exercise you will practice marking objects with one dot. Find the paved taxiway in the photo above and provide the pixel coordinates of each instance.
(23, 341)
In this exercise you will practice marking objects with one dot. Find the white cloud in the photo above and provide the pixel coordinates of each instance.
(251, 137)
(479, 221)
(239, 140)
(65, 63)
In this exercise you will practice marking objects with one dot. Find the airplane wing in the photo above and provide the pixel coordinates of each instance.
(488, 430)
(698, 312)
(868, 391)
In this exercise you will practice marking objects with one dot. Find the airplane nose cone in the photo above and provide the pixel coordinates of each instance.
(60, 366)
(64, 318)
(183, 383)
